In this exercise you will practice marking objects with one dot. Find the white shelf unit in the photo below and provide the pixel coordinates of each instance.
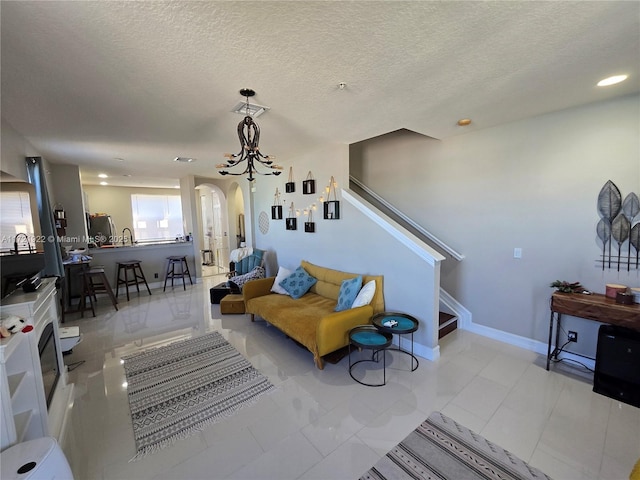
(22, 397)
(23, 404)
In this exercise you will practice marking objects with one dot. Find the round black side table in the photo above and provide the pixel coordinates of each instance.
(404, 325)
(368, 337)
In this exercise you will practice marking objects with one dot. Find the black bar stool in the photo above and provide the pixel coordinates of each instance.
(95, 281)
(171, 271)
(137, 278)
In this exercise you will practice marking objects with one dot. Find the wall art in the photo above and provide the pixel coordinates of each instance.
(276, 208)
(290, 186)
(331, 207)
(618, 228)
(309, 185)
(292, 221)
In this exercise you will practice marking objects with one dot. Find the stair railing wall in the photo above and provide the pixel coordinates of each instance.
(427, 235)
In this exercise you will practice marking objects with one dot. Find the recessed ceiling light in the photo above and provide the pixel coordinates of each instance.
(463, 122)
(104, 183)
(118, 159)
(103, 175)
(184, 159)
(612, 80)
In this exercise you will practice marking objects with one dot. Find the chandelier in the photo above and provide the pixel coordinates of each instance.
(249, 136)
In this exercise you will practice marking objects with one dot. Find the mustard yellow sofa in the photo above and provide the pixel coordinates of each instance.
(311, 319)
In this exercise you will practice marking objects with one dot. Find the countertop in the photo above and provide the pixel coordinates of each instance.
(137, 246)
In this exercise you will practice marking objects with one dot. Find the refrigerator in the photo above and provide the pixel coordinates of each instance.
(102, 230)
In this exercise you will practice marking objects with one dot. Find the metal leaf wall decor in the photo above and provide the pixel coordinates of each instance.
(604, 234)
(617, 223)
(634, 239)
(631, 209)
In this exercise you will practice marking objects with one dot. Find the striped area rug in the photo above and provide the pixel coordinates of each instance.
(176, 390)
(443, 449)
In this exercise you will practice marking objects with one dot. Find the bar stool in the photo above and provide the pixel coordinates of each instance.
(207, 257)
(95, 281)
(134, 267)
(171, 271)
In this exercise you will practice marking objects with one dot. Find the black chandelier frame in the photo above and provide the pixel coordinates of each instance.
(249, 136)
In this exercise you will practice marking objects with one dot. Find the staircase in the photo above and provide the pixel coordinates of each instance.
(447, 324)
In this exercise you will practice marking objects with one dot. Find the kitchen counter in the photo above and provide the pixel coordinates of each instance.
(153, 258)
(137, 246)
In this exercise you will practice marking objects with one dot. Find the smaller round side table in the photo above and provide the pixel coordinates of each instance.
(368, 337)
(406, 324)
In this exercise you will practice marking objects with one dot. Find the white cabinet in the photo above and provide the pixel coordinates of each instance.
(24, 408)
(22, 395)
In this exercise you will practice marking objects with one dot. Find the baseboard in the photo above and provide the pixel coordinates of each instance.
(420, 350)
(522, 342)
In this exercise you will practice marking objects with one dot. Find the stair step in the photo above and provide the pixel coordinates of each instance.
(445, 317)
(448, 323)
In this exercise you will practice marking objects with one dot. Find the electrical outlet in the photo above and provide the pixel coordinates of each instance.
(155, 275)
(572, 336)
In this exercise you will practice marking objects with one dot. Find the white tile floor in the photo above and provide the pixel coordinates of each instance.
(323, 425)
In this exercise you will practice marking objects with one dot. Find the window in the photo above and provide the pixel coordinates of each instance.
(15, 219)
(156, 217)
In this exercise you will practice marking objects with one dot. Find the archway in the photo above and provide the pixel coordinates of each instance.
(213, 229)
(237, 221)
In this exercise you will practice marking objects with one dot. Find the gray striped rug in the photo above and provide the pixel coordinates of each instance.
(176, 390)
(443, 449)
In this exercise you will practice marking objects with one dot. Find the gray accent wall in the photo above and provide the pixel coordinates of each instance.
(531, 184)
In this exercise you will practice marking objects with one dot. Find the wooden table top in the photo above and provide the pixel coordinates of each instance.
(597, 307)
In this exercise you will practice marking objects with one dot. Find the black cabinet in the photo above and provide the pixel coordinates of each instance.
(617, 372)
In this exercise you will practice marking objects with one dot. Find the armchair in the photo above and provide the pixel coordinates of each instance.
(246, 264)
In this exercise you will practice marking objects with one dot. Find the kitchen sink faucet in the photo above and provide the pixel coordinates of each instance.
(124, 238)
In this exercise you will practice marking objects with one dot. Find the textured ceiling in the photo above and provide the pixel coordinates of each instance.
(90, 82)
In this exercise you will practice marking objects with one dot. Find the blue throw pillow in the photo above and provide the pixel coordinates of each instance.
(348, 293)
(298, 283)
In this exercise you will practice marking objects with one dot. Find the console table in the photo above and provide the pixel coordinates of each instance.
(595, 306)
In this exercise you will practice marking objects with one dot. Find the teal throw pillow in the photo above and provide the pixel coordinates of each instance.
(348, 292)
(298, 283)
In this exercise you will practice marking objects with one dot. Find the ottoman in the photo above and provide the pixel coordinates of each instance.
(232, 303)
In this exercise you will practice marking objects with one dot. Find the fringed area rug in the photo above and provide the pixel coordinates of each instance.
(443, 449)
(176, 390)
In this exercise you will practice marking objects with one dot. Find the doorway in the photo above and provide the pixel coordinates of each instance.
(214, 230)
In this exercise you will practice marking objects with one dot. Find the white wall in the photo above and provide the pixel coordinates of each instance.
(353, 243)
(531, 184)
(14, 148)
(67, 192)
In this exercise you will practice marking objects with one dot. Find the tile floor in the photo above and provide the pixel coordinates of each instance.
(323, 425)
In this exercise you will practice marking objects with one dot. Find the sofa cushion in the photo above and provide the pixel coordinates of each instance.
(282, 274)
(297, 318)
(329, 282)
(365, 295)
(298, 283)
(348, 291)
